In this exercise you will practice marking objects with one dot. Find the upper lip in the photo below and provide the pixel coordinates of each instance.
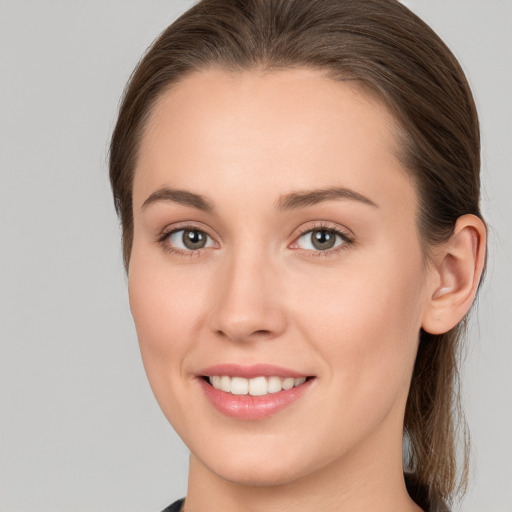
(250, 371)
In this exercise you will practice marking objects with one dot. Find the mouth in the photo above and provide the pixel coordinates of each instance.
(256, 386)
(253, 392)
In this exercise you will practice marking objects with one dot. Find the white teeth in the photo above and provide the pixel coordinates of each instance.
(288, 383)
(239, 386)
(225, 383)
(258, 386)
(274, 384)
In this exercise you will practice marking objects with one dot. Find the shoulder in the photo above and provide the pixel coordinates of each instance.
(175, 507)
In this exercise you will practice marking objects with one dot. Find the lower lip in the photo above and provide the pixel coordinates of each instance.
(248, 407)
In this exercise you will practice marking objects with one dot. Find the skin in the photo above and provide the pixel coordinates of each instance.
(259, 293)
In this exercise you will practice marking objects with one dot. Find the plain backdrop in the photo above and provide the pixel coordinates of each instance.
(80, 429)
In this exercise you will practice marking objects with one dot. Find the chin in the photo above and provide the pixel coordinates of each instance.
(257, 475)
(272, 464)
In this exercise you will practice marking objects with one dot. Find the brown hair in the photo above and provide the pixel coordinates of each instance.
(385, 48)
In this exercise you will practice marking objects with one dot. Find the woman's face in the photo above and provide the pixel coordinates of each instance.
(275, 240)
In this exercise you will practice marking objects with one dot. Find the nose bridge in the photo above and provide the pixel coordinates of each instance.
(248, 303)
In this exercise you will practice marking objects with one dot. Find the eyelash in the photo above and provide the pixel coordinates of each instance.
(174, 250)
(347, 240)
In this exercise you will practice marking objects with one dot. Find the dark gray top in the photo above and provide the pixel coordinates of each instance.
(175, 507)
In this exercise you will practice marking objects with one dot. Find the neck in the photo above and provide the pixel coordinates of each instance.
(370, 478)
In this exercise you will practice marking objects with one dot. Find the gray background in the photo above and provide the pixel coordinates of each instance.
(80, 429)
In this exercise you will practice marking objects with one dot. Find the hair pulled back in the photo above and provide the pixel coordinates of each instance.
(386, 49)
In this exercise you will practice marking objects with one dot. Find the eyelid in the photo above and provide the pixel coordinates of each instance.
(327, 225)
(345, 234)
(164, 235)
(167, 230)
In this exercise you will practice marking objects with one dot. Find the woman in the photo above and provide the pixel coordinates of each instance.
(298, 186)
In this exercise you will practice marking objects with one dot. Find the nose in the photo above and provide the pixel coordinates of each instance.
(248, 302)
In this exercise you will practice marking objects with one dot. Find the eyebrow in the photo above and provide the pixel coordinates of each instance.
(302, 199)
(166, 194)
(290, 201)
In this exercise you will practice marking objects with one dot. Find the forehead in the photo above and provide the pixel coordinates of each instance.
(239, 130)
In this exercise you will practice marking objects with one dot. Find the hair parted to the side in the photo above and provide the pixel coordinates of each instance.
(385, 48)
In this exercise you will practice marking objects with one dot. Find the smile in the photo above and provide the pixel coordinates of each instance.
(253, 392)
(257, 386)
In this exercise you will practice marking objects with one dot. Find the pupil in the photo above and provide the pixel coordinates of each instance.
(323, 239)
(194, 239)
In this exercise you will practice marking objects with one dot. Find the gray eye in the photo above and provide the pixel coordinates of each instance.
(189, 239)
(320, 240)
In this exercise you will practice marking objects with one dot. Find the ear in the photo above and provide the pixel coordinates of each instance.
(455, 273)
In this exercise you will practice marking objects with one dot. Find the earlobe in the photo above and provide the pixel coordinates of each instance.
(456, 272)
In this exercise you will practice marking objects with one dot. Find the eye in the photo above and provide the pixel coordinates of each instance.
(321, 239)
(188, 239)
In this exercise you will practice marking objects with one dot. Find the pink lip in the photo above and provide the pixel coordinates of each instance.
(247, 407)
(250, 371)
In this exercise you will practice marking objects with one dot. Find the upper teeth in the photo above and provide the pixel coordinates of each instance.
(257, 387)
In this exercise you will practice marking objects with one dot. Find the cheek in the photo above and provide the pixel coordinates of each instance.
(165, 301)
(365, 322)
(165, 311)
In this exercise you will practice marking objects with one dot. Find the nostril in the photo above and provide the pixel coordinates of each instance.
(260, 333)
